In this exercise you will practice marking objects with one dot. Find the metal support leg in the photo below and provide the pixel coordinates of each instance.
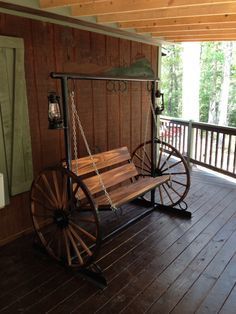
(94, 274)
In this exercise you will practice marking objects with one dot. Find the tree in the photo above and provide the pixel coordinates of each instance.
(224, 97)
(213, 71)
(172, 80)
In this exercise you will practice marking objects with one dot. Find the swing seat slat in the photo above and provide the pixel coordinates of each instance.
(128, 193)
(102, 160)
(119, 175)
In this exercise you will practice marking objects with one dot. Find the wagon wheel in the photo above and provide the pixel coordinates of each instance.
(169, 161)
(68, 231)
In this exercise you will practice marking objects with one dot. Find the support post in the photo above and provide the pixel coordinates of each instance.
(64, 90)
(154, 135)
(190, 143)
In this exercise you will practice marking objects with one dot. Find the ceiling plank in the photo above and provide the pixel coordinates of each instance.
(195, 33)
(50, 4)
(191, 11)
(222, 18)
(201, 38)
(121, 6)
(186, 28)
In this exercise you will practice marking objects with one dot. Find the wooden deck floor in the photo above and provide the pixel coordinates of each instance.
(162, 264)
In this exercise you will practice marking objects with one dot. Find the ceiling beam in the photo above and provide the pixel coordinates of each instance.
(216, 36)
(49, 4)
(186, 28)
(222, 18)
(191, 11)
(199, 39)
(121, 6)
(195, 33)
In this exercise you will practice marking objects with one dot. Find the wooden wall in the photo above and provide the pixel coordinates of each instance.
(110, 119)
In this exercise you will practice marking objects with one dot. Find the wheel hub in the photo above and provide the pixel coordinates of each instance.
(61, 219)
(158, 172)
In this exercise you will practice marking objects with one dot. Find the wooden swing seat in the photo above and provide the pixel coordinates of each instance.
(119, 176)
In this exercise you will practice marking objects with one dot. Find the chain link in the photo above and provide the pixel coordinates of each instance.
(76, 117)
(75, 139)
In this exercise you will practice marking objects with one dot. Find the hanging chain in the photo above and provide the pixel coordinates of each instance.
(76, 117)
(74, 138)
(145, 139)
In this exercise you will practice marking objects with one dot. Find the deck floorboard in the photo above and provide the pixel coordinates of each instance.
(161, 264)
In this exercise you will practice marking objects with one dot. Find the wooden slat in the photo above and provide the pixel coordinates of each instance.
(172, 22)
(102, 160)
(46, 4)
(199, 38)
(186, 28)
(111, 178)
(130, 192)
(120, 6)
(192, 33)
(191, 11)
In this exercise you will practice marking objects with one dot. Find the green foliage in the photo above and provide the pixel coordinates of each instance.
(211, 78)
(172, 72)
(212, 61)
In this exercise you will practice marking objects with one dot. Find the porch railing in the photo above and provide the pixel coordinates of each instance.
(208, 145)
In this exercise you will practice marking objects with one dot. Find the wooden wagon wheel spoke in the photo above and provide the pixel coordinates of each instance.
(166, 161)
(78, 238)
(140, 158)
(55, 181)
(175, 164)
(68, 234)
(160, 193)
(180, 183)
(45, 180)
(169, 162)
(45, 195)
(43, 216)
(75, 247)
(148, 157)
(82, 230)
(67, 247)
(46, 207)
(177, 173)
(64, 191)
(171, 187)
(144, 169)
(168, 194)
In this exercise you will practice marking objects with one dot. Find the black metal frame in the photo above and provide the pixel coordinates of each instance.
(97, 277)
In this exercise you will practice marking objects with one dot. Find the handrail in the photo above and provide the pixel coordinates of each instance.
(208, 145)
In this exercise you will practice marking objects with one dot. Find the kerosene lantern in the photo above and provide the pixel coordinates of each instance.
(54, 112)
(159, 102)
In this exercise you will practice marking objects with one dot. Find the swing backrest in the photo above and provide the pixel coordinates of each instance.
(115, 166)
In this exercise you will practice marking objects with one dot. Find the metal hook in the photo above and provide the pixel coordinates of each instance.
(109, 86)
(149, 86)
(122, 86)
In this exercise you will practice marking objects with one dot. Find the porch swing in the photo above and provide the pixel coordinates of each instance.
(66, 200)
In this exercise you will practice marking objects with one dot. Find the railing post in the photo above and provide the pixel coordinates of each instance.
(190, 142)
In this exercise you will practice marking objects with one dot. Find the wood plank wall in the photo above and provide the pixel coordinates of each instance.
(110, 119)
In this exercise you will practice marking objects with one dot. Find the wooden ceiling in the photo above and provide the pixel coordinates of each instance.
(165, 20)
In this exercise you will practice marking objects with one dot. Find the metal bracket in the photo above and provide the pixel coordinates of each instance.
(94, 274)
(173, 210)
